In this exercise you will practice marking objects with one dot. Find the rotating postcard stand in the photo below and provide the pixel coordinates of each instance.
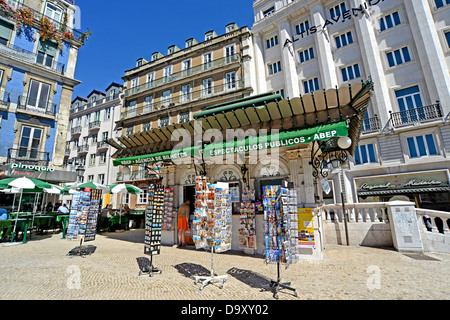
(83, 220)
(277, 234)
(212, 224)
(153, 228)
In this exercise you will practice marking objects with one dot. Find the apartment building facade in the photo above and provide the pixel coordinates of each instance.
(92, 122)
(38, 54)
(169, 89)
(404, 48)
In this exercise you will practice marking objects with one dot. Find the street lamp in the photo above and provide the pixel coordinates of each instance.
(80, 171)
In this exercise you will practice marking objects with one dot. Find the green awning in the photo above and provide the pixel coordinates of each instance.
(283, 139)
(251, 143)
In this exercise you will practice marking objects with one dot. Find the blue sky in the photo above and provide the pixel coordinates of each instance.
(123, 31)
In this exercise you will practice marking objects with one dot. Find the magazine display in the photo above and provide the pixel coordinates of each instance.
(168, 209)
(154, 220)
(280, 208)
(212, 217)
(83, 215)
(247, 221)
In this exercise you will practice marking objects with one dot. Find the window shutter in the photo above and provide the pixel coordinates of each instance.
(48, 47)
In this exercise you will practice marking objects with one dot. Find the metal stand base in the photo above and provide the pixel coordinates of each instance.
(210, 280)
(278, 285)
(146, 266)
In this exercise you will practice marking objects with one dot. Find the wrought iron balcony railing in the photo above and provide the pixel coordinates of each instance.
(4, 11)
(30, 104)
(28, 157)
(83, 149)
(19, 53)
(102, 145)
(416, 115)
(94, 125)
(181, 98)
(183, 74)
(76, 130)
(371, 125)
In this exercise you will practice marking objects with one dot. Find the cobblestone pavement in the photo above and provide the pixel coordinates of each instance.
(42, 270)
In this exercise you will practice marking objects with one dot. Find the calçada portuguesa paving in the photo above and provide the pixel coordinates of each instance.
(41, 270)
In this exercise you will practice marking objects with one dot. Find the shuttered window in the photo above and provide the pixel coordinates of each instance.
(5, 32)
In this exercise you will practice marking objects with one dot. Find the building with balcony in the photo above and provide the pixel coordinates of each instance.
(404, 48)
(38, 54)
(169, 89)
(92, 122)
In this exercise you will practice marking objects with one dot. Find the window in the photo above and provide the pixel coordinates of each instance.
(148, 104)
(306, 55)
(420, 146)
(189, 43)
(134, 82)
(46, 53)
(132, 108)
(101, 179)
(185, 93)
(274, 67)
(143, 196)
(184, 116)
(164, 121)
(6, 30)
(91, 178)
(365, 154)
(146, 126)
(230, 80)
(38, 95)
(310, 85)
(344, 39)
(441, 3)
(130, 131)
(107, 114)
(166, 98)
(390, 21)
(92, 159)
(337, 10)
(268, 12)
(94, 140)
(30, 141)
(151, 77)
(167, 71)
(207, 61)
(398, 57)
(105, 136)
(207, 88)
(281, 92)
(302, 27)
(209, 35)
(408, 98)
(1, 116)
(53, 12)
(447, 38)
(186, 65)
(350, 73)
(102, 156)
(272, 42)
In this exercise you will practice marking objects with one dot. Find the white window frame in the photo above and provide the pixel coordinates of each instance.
(143, 196)
(345, 35)
(304, 25)
(41, 90)
(272, 42)
(309, 82)
(353, 70)
(53, 12)
(402, 57)
(230, 80)
(306, 55)
(160, 121)
(337, 9)
(384, 19)
(166, 98)
(185, 93)
(274, 68)
(208, 89)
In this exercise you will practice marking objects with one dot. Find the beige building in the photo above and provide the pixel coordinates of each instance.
(169, 89)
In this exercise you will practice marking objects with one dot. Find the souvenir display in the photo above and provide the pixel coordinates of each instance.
(212, 216)
(154, 220)
(247, 221)
(168, 209)
(83, 215)
(280, 215)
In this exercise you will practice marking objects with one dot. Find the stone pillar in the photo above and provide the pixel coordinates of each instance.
(431, 57)
(323, 43)
(291, 84)
(370, 53)
(308, 178)
(260, 66)
(59, 148)
(294, 170)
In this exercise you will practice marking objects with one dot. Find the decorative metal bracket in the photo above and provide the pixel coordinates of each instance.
(326, 154)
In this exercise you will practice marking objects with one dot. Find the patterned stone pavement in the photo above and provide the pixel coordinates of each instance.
(42, 270)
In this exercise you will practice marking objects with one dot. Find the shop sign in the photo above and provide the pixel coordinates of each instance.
(20, 166)
(403, 181)
(341, 18)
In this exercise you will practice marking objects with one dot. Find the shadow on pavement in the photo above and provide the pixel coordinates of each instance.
(191, 270)
(248, 277)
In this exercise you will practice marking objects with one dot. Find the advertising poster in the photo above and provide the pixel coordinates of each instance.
(305, 228)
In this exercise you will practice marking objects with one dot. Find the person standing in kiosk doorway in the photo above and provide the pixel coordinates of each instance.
(182, 225)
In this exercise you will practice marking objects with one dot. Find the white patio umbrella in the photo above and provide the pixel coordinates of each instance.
(123, 188)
